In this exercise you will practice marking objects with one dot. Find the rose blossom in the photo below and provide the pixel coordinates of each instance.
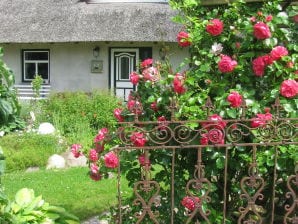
(295, 18)
(138, 139)
(261, 31)
(93, 155)
(162, 122)
(117, 114)
(178, 83)
(215, 27)
(259, 64)
(95, 176)
(151, 74)
(111, 160)
(235, 99)
(75, 149)
(215, 120)
(260, 120)
(183, 39)
(216, 136)
(216, 48)
(290, 64)
(142, 160)
(278, 52)
(190, 202)
(94, 168)
(147, 62)
(289, 88)
(269, 18)
(134, 78)
(101, 135)
(153, 106)
(134, 106)
(204, 139)
(226, 64)
(253, 19)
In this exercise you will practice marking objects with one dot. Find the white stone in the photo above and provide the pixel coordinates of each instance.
(56, 162)
(71, 161)
(46, 128)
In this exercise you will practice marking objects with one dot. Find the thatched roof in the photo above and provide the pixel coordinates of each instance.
(37, 21)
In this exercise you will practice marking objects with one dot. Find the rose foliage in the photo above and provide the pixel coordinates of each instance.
(240, 53)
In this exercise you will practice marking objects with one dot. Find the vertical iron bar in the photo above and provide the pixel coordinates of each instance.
(273, 185)
(172, 186)
(225, 186)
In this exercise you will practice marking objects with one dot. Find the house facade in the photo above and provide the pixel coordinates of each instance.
(85, 45)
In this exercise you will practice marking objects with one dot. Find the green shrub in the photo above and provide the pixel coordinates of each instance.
(29, 149)
(78, 115)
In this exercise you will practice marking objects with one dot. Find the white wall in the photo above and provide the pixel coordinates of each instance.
(70, 62)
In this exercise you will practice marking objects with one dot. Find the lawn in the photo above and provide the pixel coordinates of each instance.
(70, 188)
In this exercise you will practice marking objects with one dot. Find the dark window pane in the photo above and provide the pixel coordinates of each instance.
(36, 55)
(29, 70)
(43, 70)
(124, 63)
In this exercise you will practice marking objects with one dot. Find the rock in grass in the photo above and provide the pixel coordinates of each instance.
(46, 128)
(56, 162)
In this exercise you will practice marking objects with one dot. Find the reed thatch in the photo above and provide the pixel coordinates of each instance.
(39, 21)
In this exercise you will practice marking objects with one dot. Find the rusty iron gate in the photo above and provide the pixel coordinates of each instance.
(175, 136)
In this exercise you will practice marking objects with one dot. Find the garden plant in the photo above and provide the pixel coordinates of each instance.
(242, 55)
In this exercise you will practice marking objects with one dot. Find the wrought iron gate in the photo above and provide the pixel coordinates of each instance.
(175, 136)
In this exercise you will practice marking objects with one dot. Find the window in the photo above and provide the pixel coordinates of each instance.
(36, 62)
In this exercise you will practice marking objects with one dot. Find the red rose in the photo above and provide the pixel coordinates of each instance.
(289, 88)
(216, 136)
(102, 133)
(146, 63)
(183, 39)
(215, 27)
(134, 78)
(95, 176)
(235, 99)
(215, 120)
(75, 149)
(204, 139)
(278, 52)
(259, 64)
(134, 106)
(111, 160)
(93, 155)
(151, 74)
(295, 18)
(94, 168)
(226, 64)
(138, 139)
(190, 202)
(260, 120)
(269, 18)
(261, 31)
(154, 107)
(178, 83)
(143, 161)
(117, 114)
(162, 122)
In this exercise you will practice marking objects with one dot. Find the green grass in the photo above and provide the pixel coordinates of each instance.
(70, 188)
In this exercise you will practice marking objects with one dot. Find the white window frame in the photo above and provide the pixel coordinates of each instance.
(36, 64)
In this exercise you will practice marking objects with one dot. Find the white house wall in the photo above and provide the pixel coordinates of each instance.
(70, 62)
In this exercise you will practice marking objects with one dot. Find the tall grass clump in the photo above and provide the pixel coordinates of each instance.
(23, 150)
(79, 115)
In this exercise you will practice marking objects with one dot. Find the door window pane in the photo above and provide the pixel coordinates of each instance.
(124, 68)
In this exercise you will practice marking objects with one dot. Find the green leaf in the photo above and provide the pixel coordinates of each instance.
(24, 196)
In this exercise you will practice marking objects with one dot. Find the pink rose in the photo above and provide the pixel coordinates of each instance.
(138, 139)
(204, 139)
(215, 120)
(143, 161)
(261, 31)
(95, 176)
(99, 147)
(289, 88)
(178, 83)
(75, 149)
(278, 52)
(102, 133)
(94, 168)
(235, 99)
(190, 202)
(215, 27)
(183, 39)
(134, 106)
(111, 160)
(260, 120)
(150, 74)
(290, 64)
(147, 62)
(162, 122)
(134, 78)
(253, 19)
(259, 64)
(295, 18)
(93, 155)
(226, 64)
(117, 114)
(269, 18)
